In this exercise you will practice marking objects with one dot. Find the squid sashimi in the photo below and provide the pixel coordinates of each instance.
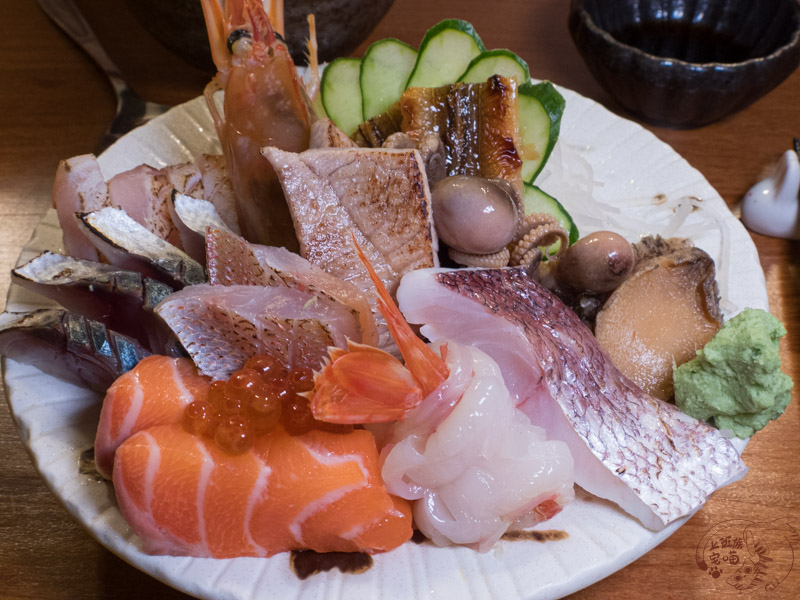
(644, 454)
(154, 392)
(472, 463)
(183, 495)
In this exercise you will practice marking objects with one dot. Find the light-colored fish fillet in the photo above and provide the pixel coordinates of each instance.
(657, 463)
(234, 261)
(222, 326)
(335, 193)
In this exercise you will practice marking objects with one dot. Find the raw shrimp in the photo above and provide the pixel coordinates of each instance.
(265, 104)
(472, 464)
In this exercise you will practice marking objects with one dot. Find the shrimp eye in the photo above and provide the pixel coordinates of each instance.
(239, 41)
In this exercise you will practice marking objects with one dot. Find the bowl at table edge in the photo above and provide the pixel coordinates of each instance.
(687, 63)
(341, 26)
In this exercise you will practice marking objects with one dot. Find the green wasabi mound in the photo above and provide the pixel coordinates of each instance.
(735, 382)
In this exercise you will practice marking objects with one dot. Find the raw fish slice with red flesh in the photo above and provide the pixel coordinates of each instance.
(79, 187)
(155, 392)
(69, 346)
(234, 261)
(143, 193)
(222, 326)
(322, 491)
(123, 300)
(654, 461)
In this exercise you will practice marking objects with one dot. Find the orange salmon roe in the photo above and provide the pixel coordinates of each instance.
(263, 393)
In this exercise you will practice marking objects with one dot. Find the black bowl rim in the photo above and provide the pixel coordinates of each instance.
(578, 7)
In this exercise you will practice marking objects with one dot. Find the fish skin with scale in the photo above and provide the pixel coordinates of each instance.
(645, 455)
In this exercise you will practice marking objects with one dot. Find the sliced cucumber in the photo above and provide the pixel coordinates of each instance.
(496, 62)
(341, 93)
(535, 200)
(540, 111)
(385, 69)
(445, 53)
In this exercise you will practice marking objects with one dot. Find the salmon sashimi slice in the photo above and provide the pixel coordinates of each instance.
(221, 326)
(336, 193)
(154, 392)
(231, 260)
(655, 462)
(322, 491)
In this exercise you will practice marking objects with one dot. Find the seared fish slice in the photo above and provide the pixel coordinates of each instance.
(69, 346)
(234, 261)
(380, 196)
(654, 461)
(221, 326)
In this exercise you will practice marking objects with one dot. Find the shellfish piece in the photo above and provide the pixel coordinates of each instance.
(69, 346)
(660, 316)
(129, 245)
(264, 104)
(221, 326)
(645, 455)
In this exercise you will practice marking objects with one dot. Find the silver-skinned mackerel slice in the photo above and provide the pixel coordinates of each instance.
(122, 299)
(655, 462)
(129, 245)
(69, 346)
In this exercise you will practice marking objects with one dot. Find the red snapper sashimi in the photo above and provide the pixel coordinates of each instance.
(643, 454)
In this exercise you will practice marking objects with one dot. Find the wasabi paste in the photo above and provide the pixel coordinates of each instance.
(735, 382)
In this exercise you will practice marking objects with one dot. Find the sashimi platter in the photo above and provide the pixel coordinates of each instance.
(411, 325)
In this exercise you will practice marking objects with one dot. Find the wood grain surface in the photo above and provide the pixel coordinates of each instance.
(55, 103)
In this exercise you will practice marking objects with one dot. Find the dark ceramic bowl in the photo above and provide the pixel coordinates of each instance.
(341, 26)
(687, 63)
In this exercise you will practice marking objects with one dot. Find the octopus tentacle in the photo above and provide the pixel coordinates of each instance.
(488, 261)
(535, 231)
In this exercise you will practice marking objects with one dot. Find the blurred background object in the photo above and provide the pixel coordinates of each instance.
(687, 63)
(341, 26)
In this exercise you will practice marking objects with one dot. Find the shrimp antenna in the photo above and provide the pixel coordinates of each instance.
(311, 57)
(215, 25)
(428, 368)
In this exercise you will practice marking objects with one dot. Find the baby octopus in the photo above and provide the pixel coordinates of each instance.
(483, 223)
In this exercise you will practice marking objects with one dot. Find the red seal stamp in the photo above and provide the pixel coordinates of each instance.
(749, 555)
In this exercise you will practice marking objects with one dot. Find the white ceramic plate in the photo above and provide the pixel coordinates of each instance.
(630, 166)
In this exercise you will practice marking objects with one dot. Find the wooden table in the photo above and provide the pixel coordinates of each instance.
(54, 103)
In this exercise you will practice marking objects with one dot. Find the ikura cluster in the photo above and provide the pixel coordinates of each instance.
(256, 398)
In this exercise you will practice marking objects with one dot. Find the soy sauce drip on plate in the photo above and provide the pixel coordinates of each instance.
(306, 563)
